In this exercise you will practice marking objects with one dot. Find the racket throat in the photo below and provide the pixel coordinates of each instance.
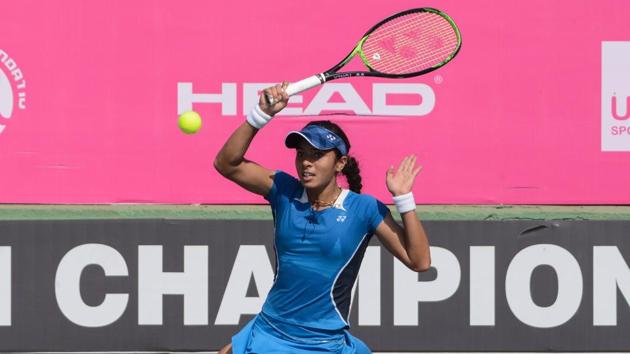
(344, 75)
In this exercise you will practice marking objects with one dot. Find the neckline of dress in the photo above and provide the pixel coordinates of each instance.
(338, 204)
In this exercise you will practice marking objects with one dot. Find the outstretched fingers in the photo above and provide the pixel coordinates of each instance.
(407, 164)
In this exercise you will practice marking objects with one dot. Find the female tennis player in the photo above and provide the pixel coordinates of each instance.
(321, 233)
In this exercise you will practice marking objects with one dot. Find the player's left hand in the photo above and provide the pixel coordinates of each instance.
(401, 182)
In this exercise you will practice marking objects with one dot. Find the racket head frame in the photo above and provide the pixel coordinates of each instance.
(333, 74)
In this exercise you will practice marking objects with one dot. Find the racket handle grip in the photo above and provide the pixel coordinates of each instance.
(300, 86)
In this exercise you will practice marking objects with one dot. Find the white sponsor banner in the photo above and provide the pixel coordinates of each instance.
(615, 96)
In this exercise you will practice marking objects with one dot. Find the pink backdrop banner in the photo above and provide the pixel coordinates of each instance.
(90, 92)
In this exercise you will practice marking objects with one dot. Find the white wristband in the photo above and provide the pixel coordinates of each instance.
(257, 118)
(405, 202)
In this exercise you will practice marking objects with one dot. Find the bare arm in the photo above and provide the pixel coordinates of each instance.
(230, 160)
(232, 164)
(408, 243)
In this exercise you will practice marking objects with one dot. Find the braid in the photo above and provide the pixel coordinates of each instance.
(352, 172)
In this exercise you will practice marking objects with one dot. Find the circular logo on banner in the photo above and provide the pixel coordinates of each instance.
(12, 89)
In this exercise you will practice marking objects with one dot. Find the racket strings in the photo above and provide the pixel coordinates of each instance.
(410, 22)
(430, 62)
(429, 59)
(427, 40)
(410, 43)
(376, 38)
(443, 33)
(417, 23)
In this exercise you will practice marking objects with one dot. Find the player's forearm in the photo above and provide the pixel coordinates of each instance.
(416, 242)
(233, 151)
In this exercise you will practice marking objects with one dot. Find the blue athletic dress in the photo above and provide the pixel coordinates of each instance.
(318, 255)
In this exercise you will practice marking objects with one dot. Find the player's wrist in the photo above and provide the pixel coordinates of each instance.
(258, 118)
(404, 202)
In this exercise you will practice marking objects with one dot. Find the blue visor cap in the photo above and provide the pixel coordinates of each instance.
(319, 137)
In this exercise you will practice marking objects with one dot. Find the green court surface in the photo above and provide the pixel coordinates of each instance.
(263, 212)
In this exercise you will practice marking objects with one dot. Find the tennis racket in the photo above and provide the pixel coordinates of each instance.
(409, 43)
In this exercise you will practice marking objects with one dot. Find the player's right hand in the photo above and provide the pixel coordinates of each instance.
(280, 98)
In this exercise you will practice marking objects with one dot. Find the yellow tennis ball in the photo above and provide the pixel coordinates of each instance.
(190, 122)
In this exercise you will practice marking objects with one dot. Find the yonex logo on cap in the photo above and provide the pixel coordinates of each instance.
(331, 137)
(10, 72)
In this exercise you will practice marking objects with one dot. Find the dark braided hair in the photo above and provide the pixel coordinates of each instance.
(351, 170)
